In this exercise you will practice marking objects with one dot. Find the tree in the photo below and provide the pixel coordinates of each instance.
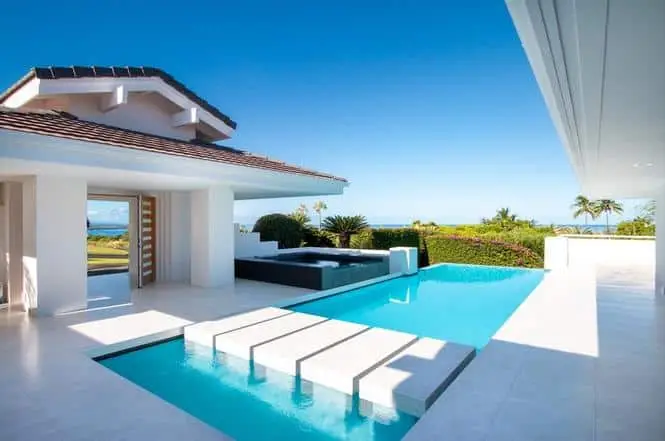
(319, 207)
(648, 211)
(608, 206)
(301, 214)
(505, 219)
(584, 207)
(344, 227)
(285, 230)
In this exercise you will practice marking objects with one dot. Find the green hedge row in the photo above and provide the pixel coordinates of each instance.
(385, 238)
(504, 249)
(479, 251)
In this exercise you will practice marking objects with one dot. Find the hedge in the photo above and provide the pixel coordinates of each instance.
(281, 228)
(479, 251)
(386, 238)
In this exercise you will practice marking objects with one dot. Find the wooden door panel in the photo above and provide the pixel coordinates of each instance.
(147, 267)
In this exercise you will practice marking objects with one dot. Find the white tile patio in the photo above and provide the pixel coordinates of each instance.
(51, 389)
(583, 359)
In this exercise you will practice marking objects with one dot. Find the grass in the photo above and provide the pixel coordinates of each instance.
(100, 257)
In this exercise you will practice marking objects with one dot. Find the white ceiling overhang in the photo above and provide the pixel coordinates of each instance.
(600, 65)
(127, 169)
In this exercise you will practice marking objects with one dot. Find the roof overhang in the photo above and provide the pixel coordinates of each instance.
(107, 166)
(113, 92)
(601, 70)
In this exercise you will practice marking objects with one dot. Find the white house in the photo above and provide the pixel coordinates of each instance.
(70, 133)
(600, 66)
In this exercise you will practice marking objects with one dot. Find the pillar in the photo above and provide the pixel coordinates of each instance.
(54, 244)
(660, 243)
(212, 237)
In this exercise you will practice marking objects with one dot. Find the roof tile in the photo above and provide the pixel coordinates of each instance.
(65, 125)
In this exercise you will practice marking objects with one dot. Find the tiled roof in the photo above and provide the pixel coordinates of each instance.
(65, 125)
(58, 72)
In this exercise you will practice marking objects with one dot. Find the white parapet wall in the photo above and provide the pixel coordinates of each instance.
(592, 250)
(250, 244)
(404, 260)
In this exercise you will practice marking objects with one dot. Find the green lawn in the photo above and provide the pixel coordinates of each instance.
(100, 257)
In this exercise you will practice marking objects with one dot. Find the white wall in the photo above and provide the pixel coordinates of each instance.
(146, 113)
(54, 243)
(250, 244)
(173, 237)
(212, 237)
(561, 252)
(660, 244)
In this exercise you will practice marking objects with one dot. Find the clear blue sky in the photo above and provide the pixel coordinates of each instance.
(429, 108)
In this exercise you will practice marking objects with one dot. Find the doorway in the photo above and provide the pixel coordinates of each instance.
(112, 249)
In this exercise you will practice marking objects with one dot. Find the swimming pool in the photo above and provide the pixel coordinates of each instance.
(247, 402)
(459, 303)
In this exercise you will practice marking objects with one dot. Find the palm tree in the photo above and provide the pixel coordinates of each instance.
(344, 227)
(648, 211)
(586, 207)
(319, 207)
(505, 218)
(608, 206)
(301, 215)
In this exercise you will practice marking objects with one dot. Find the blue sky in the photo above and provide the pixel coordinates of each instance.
(429, 108)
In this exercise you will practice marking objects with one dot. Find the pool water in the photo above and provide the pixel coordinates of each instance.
(248, 402)
(460, 303)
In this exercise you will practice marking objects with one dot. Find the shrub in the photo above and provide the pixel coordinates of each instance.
(314, 237)
(386, 238)
(479, 251)
(636, 227)
(529, 239)
(286, 231)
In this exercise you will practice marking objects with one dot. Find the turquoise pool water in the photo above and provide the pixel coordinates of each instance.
(459, 303)
(251, 403)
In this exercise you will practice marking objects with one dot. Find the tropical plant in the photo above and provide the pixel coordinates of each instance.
(344, 227)
(301, 215)
(648, 211)
(640, 226)
(287, 231)
(608, 206)
(314, 237)
(572, 229)
(319, 207)
(584, 207)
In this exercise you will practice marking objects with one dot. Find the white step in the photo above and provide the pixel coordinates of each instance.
(415, 377)
(204, 333)
(342, 365)
(242, 341)
(285, 354)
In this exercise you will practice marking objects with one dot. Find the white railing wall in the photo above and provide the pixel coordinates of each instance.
(250, 244)
(586, 250)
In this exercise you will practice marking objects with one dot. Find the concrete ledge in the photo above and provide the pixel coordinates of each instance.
(285, 354)
(341, 366)
(415, 377)
(241, 342)
(204, 333)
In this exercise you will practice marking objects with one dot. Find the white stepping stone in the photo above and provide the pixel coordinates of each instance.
(412, 379)
(284, 354)
(242, 341)
(341, 366)
(204, 333)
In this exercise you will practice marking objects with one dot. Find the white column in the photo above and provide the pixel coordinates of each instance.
(660, 244)
(212, 249)
(54, 244)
